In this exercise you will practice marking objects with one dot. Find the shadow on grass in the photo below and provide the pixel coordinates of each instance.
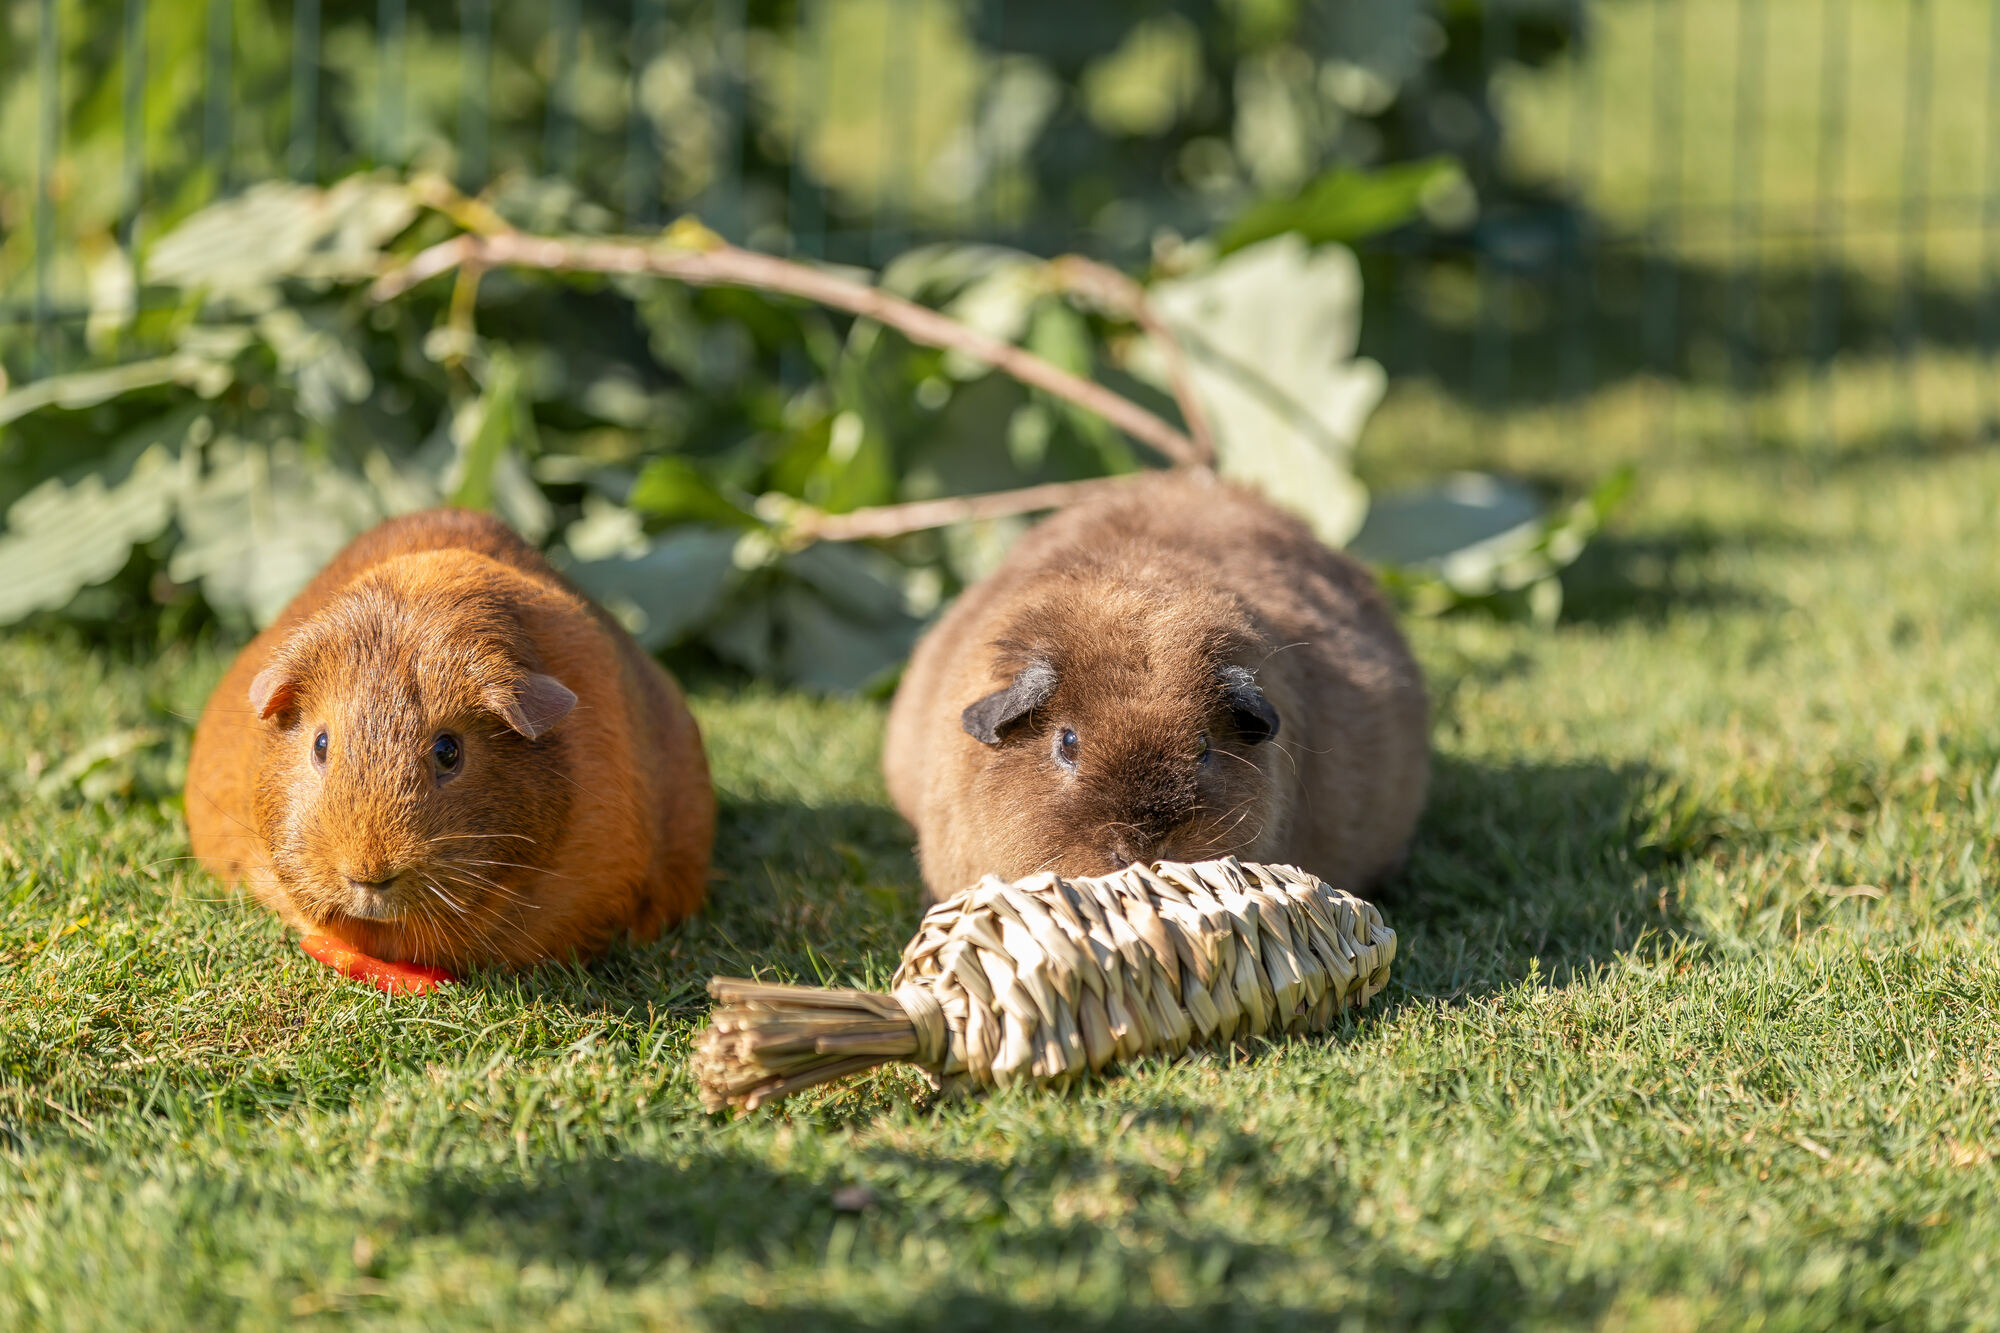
(1651, 577)
(1560, 324)
(632, 1219)
(1548, 868)
(815, 890)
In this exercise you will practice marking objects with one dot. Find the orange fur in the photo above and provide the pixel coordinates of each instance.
(1136, 609)
(534, 848)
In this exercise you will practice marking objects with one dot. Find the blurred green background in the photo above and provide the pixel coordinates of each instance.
(1772, 219)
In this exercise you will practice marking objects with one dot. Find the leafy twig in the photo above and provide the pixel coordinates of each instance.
(899, 520)
(692, 254)
(1107, 287)
(474, 215)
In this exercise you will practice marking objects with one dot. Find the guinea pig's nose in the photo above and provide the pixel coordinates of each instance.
(372, 885)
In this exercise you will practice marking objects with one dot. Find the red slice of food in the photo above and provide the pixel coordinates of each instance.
(395, 978)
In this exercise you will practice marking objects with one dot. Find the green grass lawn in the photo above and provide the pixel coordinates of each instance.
(1695, 1017)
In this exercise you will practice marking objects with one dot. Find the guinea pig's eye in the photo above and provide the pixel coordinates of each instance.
(446, 754)
(1203, 751)
(319, 748)
(1066, 748)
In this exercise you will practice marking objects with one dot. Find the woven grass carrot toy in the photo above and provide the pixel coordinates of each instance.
(1048, 979)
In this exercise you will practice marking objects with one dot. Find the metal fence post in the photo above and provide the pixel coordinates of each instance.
(1492, 364)
(1829, 210)
(1664, 203)
(1990, 220)
(642, 190)
(1580, 276)
(215, 121)
(475, 74)
(134, 127)
(390, 57)
(1915, 205)
(559, 134)
(1746, 213)
(48, 142)
(727, 185)
(805, 204)
(303, 157)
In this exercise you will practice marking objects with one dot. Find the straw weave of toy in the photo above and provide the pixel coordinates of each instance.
(1048, 979)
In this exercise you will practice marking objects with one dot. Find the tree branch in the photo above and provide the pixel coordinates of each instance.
(710, 261)
(1107, 287)
(898, 520)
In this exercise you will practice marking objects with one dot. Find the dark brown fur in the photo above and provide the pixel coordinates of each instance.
(537, 846)
(1147, 608)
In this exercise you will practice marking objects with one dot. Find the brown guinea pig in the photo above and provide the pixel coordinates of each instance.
(441, 753)
(1177, 672)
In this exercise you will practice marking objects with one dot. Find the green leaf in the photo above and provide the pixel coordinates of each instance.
(825, 650)
(88, 388)
(61, 537)
(670, 590)
(1343, 205)
(314, 349)
(746, 634)
(489, 433)
(1429, 524)
(999, 304)
(863, 582)
(1480, 540)
(263, 519)
(94, 758)
(242, 247)
(933, 273)
(481, 430)
(673, 489)
(1061, 336)
(1270, 334)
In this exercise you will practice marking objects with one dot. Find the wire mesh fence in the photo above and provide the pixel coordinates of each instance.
(1734, 194)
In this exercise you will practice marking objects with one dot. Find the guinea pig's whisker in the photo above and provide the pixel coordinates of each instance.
(456, 870)
(435, 935)
(467, 879)
(1241, 811)
(444, 897)
(220, 809)
(510, 865)
(486, 886)
(1241, 759)
(491, 932)
(420, 933)
(447, 943)
(1048, 861)
(1284, 647)
(1295, 747)
(1288, 751)
(1223, 836)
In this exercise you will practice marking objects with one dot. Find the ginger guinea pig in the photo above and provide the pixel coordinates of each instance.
(442, 753)
(1177, 672)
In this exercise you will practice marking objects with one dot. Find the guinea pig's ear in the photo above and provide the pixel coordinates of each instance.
(1031, 689)
(1256, 720)
(271, 690)
(539, 703)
